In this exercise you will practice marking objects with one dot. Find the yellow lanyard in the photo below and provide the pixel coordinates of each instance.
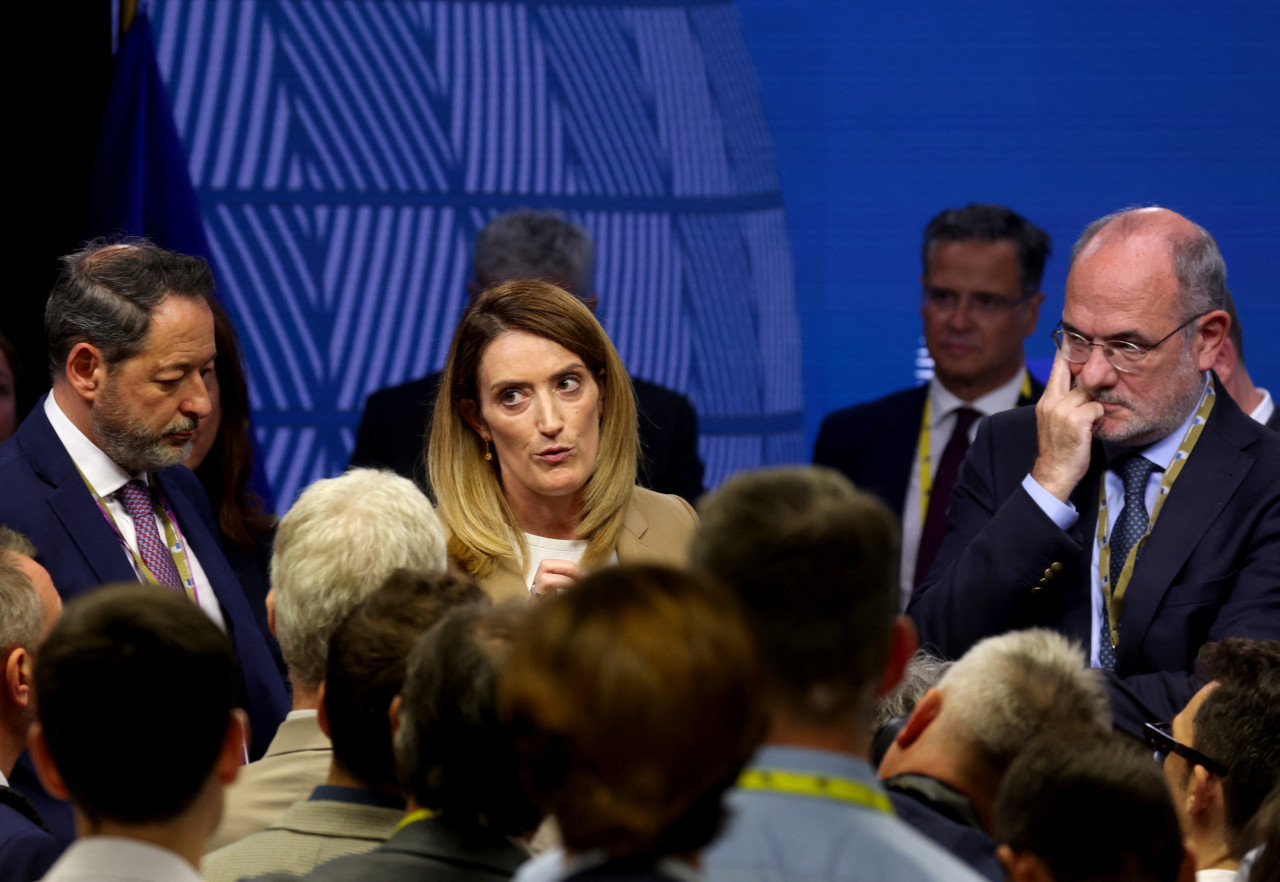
(177, 549)
(1114, 594)
(923, 452)
(813, 786)
(413, 817)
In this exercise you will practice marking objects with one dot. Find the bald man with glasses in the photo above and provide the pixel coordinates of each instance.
(1136, 508)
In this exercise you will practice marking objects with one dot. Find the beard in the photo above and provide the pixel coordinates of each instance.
(1160, 414)
(131, 443)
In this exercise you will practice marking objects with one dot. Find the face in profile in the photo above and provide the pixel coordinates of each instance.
(148, 407)
(539, 405)
(207, 431)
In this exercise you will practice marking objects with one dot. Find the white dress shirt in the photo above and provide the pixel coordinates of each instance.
(106, 479)
(1266, 407)
(117, 859)
(942, 420)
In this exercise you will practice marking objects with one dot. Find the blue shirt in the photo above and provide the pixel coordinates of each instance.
(776, 837)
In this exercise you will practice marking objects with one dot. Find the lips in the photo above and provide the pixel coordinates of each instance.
(554, 455)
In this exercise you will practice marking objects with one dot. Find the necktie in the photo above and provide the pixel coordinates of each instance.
(151, 548)
(1134, 470)
(944, 479)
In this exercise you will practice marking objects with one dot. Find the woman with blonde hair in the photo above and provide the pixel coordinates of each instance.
(533, 448)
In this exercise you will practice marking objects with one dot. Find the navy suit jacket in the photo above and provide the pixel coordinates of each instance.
(874, 443)
(26, 851)
(45, 498)
(394, 430)
(1211, 568)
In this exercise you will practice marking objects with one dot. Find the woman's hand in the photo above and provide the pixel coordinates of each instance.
(552, 577)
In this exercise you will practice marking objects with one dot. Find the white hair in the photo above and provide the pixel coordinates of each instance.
(21, 611)
(336, 546)
(1008, 688)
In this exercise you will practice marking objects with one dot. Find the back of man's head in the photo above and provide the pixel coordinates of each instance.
(366, 668)
(529, 244)
(813, 562)
(1238, 724)
(134, 692)
(106, 292)
(992, 223)
(453, 753)
(1007, 689)
(1080, 805)
(337, 544)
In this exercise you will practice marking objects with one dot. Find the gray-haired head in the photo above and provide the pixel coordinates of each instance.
(531, 244)
(106, 292)
(336, 545)
(22, 614)
(1197, 262)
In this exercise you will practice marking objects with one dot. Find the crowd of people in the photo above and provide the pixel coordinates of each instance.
(937, 654)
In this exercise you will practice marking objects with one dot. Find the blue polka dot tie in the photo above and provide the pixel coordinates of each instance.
(1134, 470)
(154, 553)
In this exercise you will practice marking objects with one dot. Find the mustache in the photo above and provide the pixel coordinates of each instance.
(185, 424)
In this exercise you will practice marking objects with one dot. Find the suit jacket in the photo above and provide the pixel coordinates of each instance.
(296, 762)
(874, 443)
(45, 498)
(428, 849)
(1211, 568)
(311, 832)
(27, 850)
(657, 529)
(396, 426)
(1274, 422)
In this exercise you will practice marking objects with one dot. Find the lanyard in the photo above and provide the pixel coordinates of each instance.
(173, 538)
(813, 786)
(923, 452)
(1114, 594)
(413, 817)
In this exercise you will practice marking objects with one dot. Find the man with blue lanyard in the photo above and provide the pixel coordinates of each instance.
(980, 299)
(813, 562)
(93, 475)
(1137, 508)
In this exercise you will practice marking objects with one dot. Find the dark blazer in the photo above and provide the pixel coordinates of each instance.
(428, 849)
(1274, 422)
(874, 443)
(1210, 570)
(27, 851)
(972, 845)
(45, 498)
(397, 420)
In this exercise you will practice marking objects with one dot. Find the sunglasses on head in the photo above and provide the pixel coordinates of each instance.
(1160, 739)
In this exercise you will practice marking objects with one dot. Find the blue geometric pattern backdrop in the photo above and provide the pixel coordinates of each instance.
(346, 153)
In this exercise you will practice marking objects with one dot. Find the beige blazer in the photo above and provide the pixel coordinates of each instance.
(295, 763)
(657, 529)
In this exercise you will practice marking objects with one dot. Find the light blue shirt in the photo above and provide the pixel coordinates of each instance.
(1064, 514)
(776, 837)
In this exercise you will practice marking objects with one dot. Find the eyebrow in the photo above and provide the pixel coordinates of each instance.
(564, 371)
(1122, 336)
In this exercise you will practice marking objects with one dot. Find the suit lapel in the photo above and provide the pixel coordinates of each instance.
(1209, 479)
(631, 539)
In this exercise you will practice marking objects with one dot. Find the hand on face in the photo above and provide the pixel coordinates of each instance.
(1066, 420)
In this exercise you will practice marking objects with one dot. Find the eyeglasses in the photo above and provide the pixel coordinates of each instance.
(1121, 354)
(980, 303)
(1160, 739)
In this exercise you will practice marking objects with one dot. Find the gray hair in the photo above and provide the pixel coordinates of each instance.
(106, 292)
(922, 673)
(21, 611)
(337, 544)
(1197, 261)
(1008, 688)
(529, 244)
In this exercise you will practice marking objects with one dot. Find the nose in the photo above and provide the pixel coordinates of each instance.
(197, 403)
(549, 419)
(1096, 372)
(962, 315)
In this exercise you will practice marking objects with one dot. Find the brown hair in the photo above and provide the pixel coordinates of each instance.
(469, 488)
(635, 700)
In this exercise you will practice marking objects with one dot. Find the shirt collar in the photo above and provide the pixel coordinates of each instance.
(942, 403)
(102, 473)
(810, 759)
(1265, 407)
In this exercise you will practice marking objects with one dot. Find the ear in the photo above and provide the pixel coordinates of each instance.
(1204, 790)
(1022, 866)
(1224, 365)
(471, 413)
(393, 713)
(1031, 315)
(902, 645)
(1213, 331)
(271, 611)
(46, 771)
(17, 677)
(322, 715)
(234, 752)
(926, 711)
(86, 370)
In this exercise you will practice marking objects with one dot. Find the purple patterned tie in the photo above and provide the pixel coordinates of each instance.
(151, 548)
